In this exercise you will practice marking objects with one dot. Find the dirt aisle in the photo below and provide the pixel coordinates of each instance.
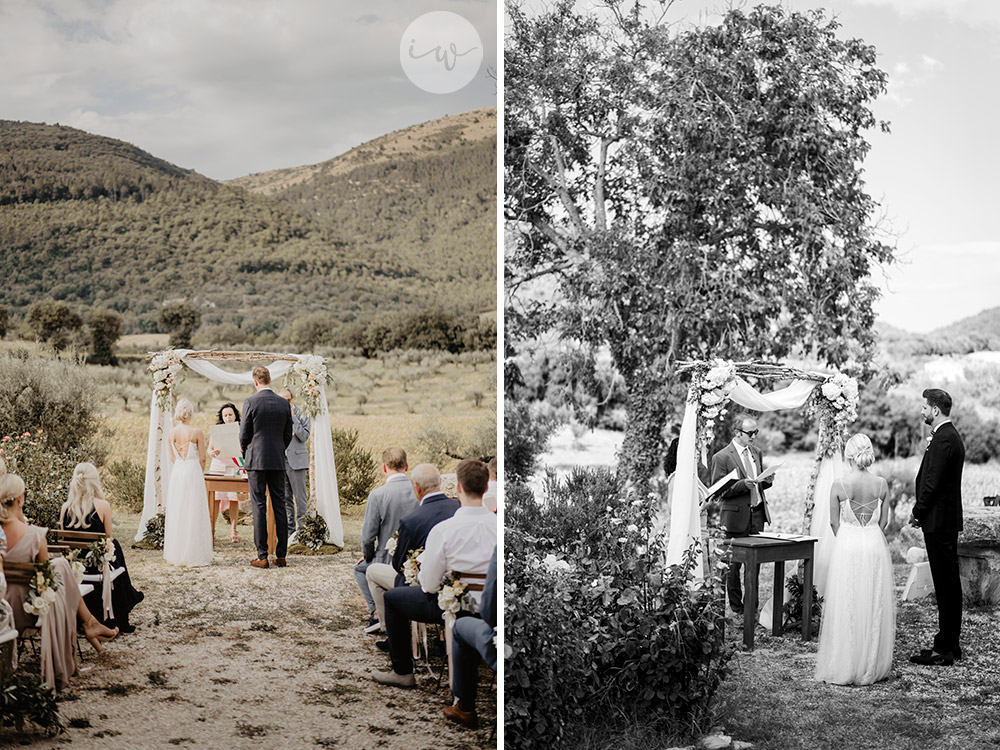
(230, 656)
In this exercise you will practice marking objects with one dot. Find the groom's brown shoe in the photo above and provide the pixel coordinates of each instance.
(467, 719)
(933, 659)
(260, 563)
(280, 562)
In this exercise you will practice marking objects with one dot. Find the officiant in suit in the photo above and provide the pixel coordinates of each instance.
(743, 507)
(265, 432)
(937, 512)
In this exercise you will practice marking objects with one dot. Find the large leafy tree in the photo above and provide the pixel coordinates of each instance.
(53, 321)
(181, 319)
(105, 330)
(692, 192)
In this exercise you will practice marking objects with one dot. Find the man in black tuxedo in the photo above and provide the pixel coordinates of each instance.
(938, 513)
(743, 506)
(265, 432)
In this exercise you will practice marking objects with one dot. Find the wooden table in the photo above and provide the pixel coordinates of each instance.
(218, 483)
(752, 551)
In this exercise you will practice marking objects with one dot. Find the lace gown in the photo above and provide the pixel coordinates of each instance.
(858, 631)
(187, 533)
(124, 596)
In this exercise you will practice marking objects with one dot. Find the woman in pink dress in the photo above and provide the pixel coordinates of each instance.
(227, 415)
(26, 544)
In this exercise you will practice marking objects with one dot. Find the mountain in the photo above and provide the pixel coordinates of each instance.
(419, 202)
(96, 221)
(982, 329)
(976, 333)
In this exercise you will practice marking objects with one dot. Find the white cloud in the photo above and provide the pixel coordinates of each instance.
(222, 86)
(929, 63)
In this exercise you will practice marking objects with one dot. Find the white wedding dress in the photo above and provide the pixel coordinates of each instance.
(858, 630)
(187, 533)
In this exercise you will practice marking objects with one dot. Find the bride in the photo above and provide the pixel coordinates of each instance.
(859, 618)
(187, 533)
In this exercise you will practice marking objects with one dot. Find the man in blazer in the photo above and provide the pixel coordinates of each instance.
(938, 513)
(265, 432)
(743, 507)
(297, 458)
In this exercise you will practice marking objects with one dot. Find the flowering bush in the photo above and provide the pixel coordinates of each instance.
(166, 368)
(709, 392)
(46, 473)
(311, 373)
(42, 590)
(595, 624)
(835, 405)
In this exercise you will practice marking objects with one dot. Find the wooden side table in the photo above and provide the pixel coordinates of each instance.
(218, 483)
(753, 551)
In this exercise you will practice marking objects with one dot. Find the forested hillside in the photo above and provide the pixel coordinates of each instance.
(95, 221)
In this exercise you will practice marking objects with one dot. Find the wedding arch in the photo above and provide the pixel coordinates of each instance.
(308, 372)
(832, 398)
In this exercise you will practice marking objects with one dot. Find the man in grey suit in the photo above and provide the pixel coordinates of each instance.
(265, 432)
(297, 455)
(386, 506)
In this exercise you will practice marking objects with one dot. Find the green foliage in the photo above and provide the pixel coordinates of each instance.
(431, 328)
(441, 442)
(357, 470)
(4, 320)
(981, 436)
(526, 437)
(313, 532)
(105, 330)
(182, 320)
(53, 395)
(310, 331)
(46, 472)
(53, 322)
(154, 531)
(727, 219)
(607, 631)
(125, 484)
(793, 607)
(25, 700)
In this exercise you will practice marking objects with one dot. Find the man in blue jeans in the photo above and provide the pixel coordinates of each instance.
(474, 638)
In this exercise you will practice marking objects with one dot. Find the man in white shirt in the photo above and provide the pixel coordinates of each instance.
(462, 544)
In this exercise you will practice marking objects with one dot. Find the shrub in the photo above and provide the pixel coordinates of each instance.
(357, 470)
(24, 700)
(526, 437)
(52, 395)
(793, 607)
(153, 538)
(46, 473)
(441, 443)
(126, 484)
(614, 632)
(313, 532)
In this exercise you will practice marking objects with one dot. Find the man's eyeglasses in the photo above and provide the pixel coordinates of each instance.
(749, 433)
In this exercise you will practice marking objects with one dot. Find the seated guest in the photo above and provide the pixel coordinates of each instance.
(386, 505)
(460, 544)
(474, 639)
(490, 498)
(434, 508)
(26, 544)
(87, 510)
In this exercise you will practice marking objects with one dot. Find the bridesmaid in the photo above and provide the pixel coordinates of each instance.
(87, 510)
(26, 544)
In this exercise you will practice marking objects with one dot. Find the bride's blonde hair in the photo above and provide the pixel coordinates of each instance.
(183, 410)
(11, 488)
(83, 488)
(859, 451)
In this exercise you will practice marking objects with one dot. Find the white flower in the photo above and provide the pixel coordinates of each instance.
(831, 391)
(632, 528)
(711, 398)
(554, 564)
(390, 546)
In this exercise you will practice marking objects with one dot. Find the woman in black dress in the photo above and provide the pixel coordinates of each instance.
(87, 510)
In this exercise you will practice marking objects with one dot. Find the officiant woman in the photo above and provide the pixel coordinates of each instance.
(227, 415)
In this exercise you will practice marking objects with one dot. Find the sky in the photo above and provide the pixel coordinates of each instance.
(229, 87)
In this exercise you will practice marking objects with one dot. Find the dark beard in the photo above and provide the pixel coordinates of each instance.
(928, 420)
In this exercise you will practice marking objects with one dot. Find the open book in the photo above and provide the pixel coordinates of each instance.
(708, 494)
(768, 472)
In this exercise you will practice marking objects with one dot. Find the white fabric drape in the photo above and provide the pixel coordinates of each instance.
(325, 481)
(829, 470)
(685, 519)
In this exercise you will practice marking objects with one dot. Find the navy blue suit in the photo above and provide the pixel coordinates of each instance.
(417, 524)
(265, 432)
(474, 639)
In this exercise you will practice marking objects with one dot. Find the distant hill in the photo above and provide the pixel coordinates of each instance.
(96, 221)
(983, 329)
(976, 333)
(419, 201)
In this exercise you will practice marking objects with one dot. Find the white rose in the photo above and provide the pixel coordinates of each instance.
(831, 391)
(711, 398)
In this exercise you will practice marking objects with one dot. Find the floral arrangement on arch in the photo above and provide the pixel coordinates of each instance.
(835, 404)
(166, 368)
(709, 393)
(42, 590)
(454, 596)
(311, 372)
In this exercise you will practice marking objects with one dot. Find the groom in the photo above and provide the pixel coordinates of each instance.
(938, 513)
(265, 432)
(743, 506)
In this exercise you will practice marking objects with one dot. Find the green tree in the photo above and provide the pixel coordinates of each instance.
(4, 320)
(691, 194)
(105, 330)
(53, 322)
(310, 331)
(181, 319)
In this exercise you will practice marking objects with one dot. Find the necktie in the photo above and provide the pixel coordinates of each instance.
(751, 473)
